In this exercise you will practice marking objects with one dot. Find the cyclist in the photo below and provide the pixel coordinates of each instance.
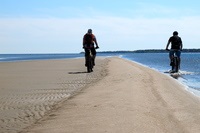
(176, 47)
(89, 40)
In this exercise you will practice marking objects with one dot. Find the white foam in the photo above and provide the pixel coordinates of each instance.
(186, 73)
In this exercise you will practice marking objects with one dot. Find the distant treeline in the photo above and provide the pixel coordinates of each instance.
(152, 51)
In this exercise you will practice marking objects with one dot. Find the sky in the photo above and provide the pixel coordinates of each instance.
(58, 26)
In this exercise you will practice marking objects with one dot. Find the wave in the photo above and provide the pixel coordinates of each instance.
(186, 72)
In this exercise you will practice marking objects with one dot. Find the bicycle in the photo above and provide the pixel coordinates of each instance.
(90, 60)
(175, 63)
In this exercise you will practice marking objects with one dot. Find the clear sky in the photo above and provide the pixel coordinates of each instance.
(58, 26)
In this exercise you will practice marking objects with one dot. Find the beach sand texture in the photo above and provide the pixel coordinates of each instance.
(118, 97)
(29, 90)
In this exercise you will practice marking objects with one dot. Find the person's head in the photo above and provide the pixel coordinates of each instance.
(90, 31)
(175, 33)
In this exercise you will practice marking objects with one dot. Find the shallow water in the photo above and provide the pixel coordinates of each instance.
(189, 73)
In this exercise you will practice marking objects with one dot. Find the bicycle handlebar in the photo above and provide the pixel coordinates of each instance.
(174, 49)
(90, 47)
(167, 49)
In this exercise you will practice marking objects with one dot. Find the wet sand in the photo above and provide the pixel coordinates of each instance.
(57, 96)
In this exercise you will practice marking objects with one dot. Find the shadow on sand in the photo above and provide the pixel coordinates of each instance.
(77, 72)
(176, 75)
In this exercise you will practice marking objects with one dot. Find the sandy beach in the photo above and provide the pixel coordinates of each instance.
(120, 96)
(31, 89)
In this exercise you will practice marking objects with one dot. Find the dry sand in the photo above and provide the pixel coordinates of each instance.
(118, 97)
(31, 89)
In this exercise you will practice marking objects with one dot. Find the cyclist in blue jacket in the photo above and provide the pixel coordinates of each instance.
(176, 46)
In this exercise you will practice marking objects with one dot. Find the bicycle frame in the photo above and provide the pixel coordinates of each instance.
(176, 63)
(89, 61)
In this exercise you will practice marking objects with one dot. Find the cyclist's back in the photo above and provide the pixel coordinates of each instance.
(89, 40)
(176, 46)
(176, 42)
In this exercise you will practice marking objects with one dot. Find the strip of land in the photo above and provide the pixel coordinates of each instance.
(119, 96)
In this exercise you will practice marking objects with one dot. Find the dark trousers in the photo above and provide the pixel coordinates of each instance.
(87, 53)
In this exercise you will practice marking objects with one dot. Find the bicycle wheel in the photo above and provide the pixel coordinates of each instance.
(173, 65)
(88, 69)
(176, 64)
(89, 64)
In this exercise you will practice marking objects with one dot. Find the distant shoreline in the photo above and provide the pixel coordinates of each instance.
(150, 51)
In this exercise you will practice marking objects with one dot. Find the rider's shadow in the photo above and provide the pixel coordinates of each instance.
(76, 72)
(176, 76)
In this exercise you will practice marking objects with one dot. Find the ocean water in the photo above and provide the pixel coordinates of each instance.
(27, 57)
(189, 72)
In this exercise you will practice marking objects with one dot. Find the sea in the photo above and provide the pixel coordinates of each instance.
(189, 74)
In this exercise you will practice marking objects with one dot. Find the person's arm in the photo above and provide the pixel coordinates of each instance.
(83, 41)
(95, 41)
(181, 46)
(168, 44)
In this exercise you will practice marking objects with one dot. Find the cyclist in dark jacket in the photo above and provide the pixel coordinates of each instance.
(176, 46)
(89, 40)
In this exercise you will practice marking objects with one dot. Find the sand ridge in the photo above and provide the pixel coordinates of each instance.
(31, 89)
(130, 99)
